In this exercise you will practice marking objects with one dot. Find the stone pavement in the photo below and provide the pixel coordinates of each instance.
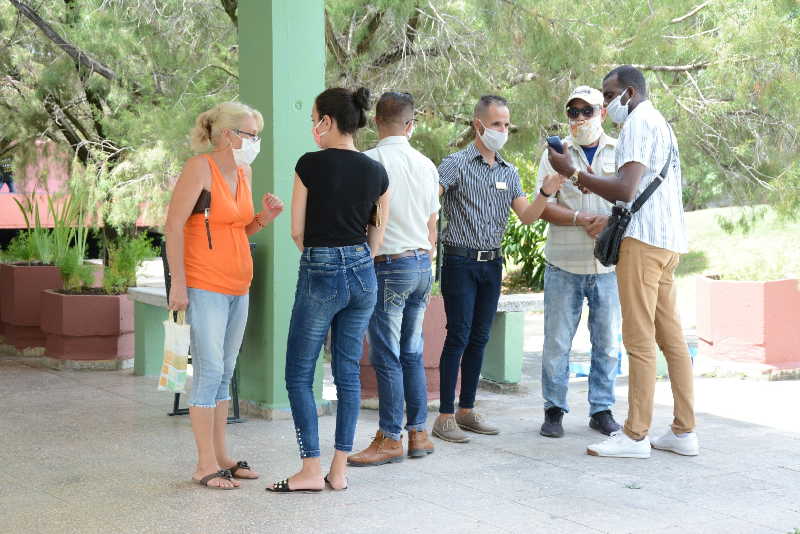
(94, 451)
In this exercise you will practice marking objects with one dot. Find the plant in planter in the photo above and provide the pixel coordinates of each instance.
(86, 323)
(29, 270)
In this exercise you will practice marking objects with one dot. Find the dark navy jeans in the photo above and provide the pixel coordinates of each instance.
(471, 290)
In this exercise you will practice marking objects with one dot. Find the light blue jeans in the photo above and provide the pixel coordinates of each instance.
(564, 294)
(395, 342)
(218, 321)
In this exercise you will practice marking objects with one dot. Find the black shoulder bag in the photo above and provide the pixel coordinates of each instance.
(606, 247)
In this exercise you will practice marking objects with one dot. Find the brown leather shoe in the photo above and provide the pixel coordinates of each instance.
(419, 444)
(381, 451)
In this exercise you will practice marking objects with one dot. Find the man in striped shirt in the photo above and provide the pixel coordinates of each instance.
(649, 254)
(478, 189)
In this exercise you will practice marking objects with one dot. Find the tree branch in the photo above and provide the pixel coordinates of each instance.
(674, 68)
(230, 7)
(372, 27)
(332, 41)
(78, 55)
(692, 12)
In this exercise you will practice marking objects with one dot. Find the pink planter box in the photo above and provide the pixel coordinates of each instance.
(20, 295)
(749, 322)
(88, 327)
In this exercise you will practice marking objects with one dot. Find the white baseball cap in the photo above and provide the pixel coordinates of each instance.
(590, 95)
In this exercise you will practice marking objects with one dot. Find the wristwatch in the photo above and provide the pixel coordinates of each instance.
(574, 178)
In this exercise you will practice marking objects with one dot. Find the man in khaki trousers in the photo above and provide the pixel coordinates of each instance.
(649, 254)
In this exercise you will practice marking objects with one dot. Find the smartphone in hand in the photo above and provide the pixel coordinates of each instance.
(554, 142)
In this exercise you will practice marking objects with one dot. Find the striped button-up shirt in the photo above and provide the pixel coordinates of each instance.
(477, 198)
(647, 138)
(569, 247)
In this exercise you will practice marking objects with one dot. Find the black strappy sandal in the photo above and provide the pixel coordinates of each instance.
(222, 473)
(328, 482)
(283, 487)
(241, 465)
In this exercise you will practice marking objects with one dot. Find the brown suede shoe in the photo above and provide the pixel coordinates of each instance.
(381, 451)
(419, 444)
(475, 422)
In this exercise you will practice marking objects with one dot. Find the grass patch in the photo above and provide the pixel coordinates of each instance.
(768, 251)
(695, 261)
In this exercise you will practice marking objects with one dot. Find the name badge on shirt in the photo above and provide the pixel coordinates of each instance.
(501, 185)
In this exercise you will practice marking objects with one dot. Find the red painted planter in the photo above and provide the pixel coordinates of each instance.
(434, 331)
(20, 295)
(87, 327)
(749, 322)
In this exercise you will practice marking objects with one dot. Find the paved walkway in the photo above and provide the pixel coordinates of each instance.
(93, 451)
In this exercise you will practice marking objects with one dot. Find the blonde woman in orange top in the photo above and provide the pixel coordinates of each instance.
(211, 269)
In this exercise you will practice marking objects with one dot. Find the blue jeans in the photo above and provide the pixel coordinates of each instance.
(471, 290)
(218, 321)
(564, 294)
(395, 340)
(336, 290)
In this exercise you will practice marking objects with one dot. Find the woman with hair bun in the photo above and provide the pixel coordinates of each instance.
(209, 220)
(339, 202)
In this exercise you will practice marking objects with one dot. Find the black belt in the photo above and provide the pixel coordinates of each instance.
(473, 254)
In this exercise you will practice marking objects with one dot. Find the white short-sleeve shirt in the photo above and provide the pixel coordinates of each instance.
(647, 138)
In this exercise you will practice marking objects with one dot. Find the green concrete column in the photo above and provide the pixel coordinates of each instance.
(281, 70)
(502, 361)
(148, 339)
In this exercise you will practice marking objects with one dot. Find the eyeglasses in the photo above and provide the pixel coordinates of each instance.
(254, 137)
(574, 113)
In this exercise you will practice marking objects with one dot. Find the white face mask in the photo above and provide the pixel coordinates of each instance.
(410, 132)
(617, 111)
(493, 139)
(588, 131)
(248, 152)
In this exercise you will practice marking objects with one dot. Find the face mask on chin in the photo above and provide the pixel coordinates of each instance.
(247, 153)
(492, 139)
(617, 111)
(588, 131)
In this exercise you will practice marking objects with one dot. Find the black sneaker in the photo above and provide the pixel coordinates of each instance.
(604, 422)
(551, 427)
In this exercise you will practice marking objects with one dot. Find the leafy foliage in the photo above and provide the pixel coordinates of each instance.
(125, 256)
(124, 101)
(728, 88)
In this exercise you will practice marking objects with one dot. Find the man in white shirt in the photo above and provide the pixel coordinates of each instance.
(573, 275)
(403, 268)
(650, 252)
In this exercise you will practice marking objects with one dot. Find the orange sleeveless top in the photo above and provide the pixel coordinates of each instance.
(222, 262)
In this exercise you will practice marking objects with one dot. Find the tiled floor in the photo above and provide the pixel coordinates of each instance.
(94, 451)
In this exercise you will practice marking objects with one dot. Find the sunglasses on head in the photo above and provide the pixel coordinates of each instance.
(574, 113)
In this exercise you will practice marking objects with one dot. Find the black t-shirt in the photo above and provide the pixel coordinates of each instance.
(343, 185)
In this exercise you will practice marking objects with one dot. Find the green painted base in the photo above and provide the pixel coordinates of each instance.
(149, 351)
(502, 362)
(148, 339)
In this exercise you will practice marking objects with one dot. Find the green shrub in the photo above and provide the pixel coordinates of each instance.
(74, 272)
(523, 245)
(124, 257)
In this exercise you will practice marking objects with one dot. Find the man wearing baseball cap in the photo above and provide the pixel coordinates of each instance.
(573, 275)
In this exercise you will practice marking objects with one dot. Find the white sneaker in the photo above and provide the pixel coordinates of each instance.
(688, 445)
(619, 445)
